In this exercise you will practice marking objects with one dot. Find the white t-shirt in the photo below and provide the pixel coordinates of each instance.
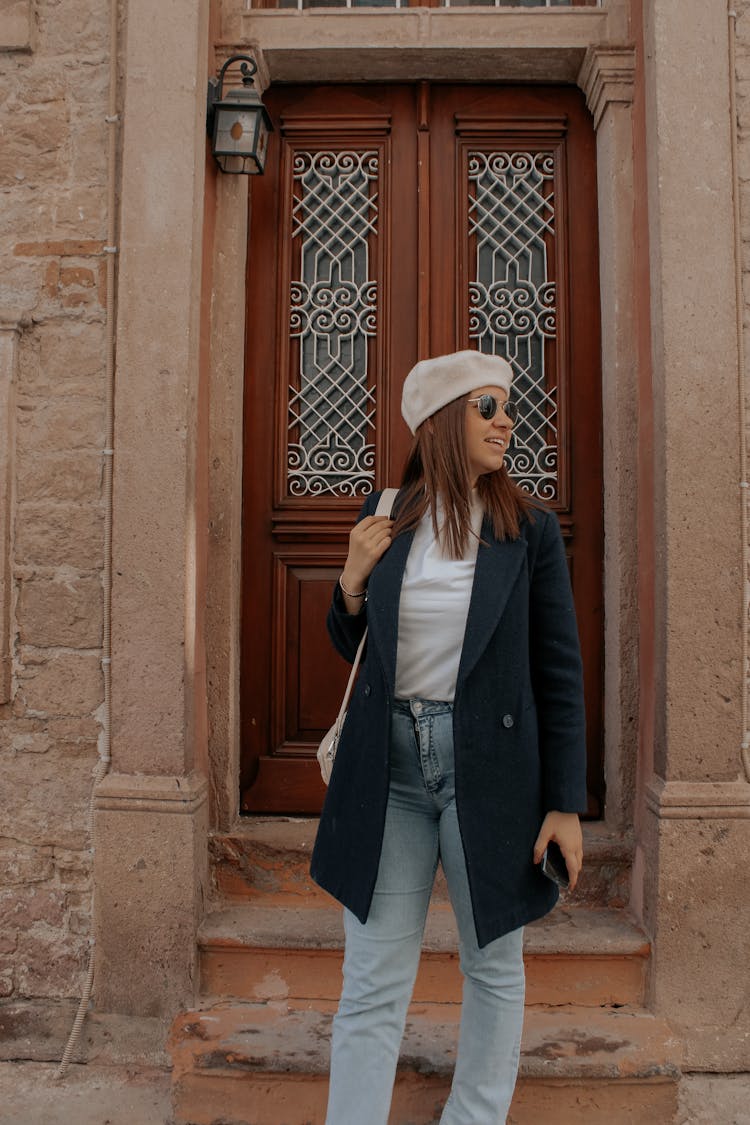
(434, 605)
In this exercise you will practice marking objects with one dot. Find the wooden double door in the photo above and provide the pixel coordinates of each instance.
(394, 223)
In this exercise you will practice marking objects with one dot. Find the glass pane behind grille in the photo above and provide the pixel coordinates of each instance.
(333, 307)
(512, 301)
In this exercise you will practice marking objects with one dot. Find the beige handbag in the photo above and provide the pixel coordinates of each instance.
(330, 742)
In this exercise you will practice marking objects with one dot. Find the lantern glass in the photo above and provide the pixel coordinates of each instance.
(238, 123)
(235, 135)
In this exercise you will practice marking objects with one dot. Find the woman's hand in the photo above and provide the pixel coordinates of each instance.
(368, 541)
(565, 830)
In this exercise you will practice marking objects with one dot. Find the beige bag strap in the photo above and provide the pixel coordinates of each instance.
(384, 508)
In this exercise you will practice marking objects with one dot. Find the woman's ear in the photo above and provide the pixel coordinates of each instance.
(430, 427)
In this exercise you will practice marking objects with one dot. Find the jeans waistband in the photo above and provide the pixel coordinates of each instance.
(420, 707)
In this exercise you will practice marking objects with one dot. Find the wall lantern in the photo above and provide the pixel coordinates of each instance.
(238, 124)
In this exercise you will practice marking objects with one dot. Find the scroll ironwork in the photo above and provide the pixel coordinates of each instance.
(333, 315)
(512, 297)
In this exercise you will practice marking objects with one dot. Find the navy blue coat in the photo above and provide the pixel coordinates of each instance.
(518, 724)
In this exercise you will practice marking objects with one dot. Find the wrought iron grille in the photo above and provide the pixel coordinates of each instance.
(512, 297)
(333, 312)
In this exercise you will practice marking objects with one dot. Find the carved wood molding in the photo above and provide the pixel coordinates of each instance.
(607, 76)
(698, 800)
(518, 127)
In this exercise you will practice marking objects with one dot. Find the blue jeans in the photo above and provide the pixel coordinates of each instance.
(381, 957)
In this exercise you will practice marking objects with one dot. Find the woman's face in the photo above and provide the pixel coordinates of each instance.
(487, 439)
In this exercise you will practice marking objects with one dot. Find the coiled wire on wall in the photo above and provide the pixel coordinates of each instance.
(105, 738)
(739, 305)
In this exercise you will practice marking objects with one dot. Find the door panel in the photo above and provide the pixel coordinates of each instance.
(332, 219)
(392, 223)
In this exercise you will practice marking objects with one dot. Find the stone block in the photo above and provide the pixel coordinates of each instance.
(80, 207)
(8, 943)
(51, 282)
(89, 150)
(701, 938)
(50, 966)
(77, 27)
(45, 803)
(21, 908)
(48, 248)
(59, 476)
(79, 923)
(80, 277)
(62, 738)
(59, 534)
(24, 742)
(709, 1099)
(36, 85)
(62, 683)
(73, 868)
(150, 881)
(17, 26)
(21, 864)
(19, 287)
(36, 146)
(69, 728)
(72, 286)
(60, 425)
(60, 611)
(77, 211)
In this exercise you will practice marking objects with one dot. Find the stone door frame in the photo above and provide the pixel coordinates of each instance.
(672, 747)
(606, 76)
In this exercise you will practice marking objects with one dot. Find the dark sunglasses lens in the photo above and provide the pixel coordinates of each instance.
(487, 406)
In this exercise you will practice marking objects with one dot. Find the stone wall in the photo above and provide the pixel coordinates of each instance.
(54, 73)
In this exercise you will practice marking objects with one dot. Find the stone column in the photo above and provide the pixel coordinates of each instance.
(607, 78)
(694, 834)
(151, 823)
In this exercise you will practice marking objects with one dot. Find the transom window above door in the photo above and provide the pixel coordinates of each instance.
(306, 4)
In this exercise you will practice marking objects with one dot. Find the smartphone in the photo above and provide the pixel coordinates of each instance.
(554, 866)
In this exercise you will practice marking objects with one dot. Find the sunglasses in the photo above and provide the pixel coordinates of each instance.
(488, 405)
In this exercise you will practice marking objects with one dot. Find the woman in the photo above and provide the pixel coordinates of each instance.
(464, 742)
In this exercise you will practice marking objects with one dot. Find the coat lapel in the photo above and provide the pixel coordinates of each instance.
(495, 574)
(383, 602)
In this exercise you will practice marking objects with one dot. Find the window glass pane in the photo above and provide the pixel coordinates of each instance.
(333, 316)
(512, 296)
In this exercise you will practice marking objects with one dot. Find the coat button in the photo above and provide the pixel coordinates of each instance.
(368, 689)
(507, 721)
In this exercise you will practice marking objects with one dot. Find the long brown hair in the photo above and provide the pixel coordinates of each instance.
(438, 466)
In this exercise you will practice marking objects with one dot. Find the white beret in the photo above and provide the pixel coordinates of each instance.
(433, 383)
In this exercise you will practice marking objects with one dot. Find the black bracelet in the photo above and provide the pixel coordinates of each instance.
(349, 594)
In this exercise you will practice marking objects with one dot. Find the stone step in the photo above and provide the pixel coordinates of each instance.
(269, 858)
(266, 1064)
(581, 956)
